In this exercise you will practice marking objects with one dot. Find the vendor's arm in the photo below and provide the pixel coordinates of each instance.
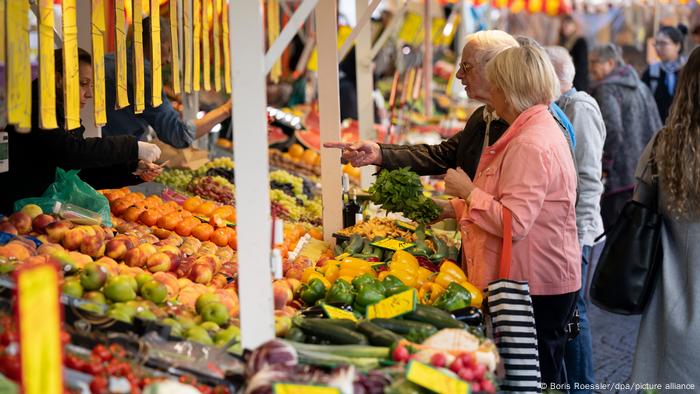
(522, 186)
(72, 151)
(211, 119)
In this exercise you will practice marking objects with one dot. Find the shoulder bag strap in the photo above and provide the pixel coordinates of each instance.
(507, 252)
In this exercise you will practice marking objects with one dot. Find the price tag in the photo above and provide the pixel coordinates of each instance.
(392, 244)
(337, 313)
(393, 306)
(435, 380)
(39, 322)
(409, 227)
(412, 26)
(289, 388)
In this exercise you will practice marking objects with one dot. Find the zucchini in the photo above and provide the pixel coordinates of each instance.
(404, 327)
(378, 252)
(366, 246)
(355, 244)
(355, 351)
(420, 248)
(453, 254)
(333, 333)
(345, 323)
(440, 249)
(295, 334)
(420, 233)
(388, 255)
(338, 250)
(378, 336)
(435, 316)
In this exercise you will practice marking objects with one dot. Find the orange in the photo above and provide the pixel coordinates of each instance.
(296, 151)
(149, 217)
(309, 157)
(186, 225)
(232, 217)
(169, 221)
(153, 201)
(120, 205)
(192, 203)
(316, 233)
(206, 208)
(132, 214)
(202, 231)
(223, 211)
(221, 236)
(233, 240)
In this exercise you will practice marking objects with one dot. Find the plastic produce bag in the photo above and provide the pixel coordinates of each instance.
(69, 188)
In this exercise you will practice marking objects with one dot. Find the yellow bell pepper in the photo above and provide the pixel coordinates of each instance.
(403, 266)
(477, 296)
(356, 264)
(310, 273)
(404, 258)
(383, 275)
(346, 278)
(450, 272)
(425, 274)
(351, 272)
(409, 279)
(430, 292)
(332, 272)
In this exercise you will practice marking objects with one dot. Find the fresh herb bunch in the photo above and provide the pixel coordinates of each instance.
(401, 191)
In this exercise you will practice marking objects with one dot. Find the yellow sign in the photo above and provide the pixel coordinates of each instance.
(289, 388)
(273, 31)
(174, 48)
(47, 75)
(187, 20)
(206, 58)
(217, 47)
(196, 34)
(411, 28)
(39, 329)
(227, 50)
(337, 313)
(19, 82)
(156, 70)
(139, 84)
(71, 70)
(343, 34)
(438, 26)
(393, 306)
(435, 380)
(98, 61)
(120, 39)
(393, 244)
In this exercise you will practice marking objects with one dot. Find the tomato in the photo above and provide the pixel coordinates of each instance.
(400, 354)
(479, 371)
(468, 359)
(476, 387)
(117, 350)
(466, 374)
(102, 352)
(457, 365)
(488, 386)
(95, 366)
(439, 360)
(65, 337)
(10, 366)
(204, 389)
(99, 385)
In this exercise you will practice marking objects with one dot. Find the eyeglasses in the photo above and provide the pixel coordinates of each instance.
(661, 44)
(465, 67)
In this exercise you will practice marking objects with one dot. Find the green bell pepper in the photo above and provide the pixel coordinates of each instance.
(362, 280)
(394, 285)
(341, 292)
(455, 297)
(313, 291)
(369, 294)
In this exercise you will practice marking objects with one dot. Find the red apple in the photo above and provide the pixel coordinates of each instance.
(40, 222)
(116, 248)
(282, 293)
(93, 246)
(8, 227)
(201, 273)
(73, 238)
(22, 222)
(57, 230)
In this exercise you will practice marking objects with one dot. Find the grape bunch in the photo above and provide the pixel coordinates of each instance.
(213, 188)
(175, 178)
(279, 211)
(281, 177)
(298, 208)
(219, 162)
(222, 172)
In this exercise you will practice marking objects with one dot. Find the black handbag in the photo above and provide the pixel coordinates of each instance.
(624, 278)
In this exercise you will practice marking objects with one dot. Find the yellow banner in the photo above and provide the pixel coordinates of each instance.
(227, 49)
(206, 58)
(196, 34)
(47, 74)
(156, 70)
(139, 85)
(120, 39)
(175, 48)
(217, 46)
(273, 31)
(187, 20)
(19, 79)
(412, 28)
(98, 61)
(71, 71)
(39, 328)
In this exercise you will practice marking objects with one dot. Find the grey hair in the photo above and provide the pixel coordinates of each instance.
(563, 64)
(489, 43)
(528, 41)
(607, 52)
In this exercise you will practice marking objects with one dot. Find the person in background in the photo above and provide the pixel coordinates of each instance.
(695, 37)
(570, 39)
(631, 118)
(541, 196)
(589, 127)
(667, 345)
(164, 119)
(108, 162)
(662, 77)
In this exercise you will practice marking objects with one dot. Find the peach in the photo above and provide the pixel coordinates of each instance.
(15, 250)
(32, 210)
(188, 296)
(116, 248)
(48, 248)
(41, 221)
(201, 273)
(294, 284)
(169, 248)
(184, 282)
(93, 246)
(147, 249)
(7, 227)
(22, 222)
(73, 238)
(161, 233)
(79, 259)
(112, 267)
(229, 297)
(210, 260)
(282, 293)
(135, 257)
(294, 273)
(159, 262)
(218, 281)
(170, 281)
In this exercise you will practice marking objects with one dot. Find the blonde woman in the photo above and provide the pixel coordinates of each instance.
(529, 171)
(668, 346)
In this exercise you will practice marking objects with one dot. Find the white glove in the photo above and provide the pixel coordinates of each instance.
(148, 152)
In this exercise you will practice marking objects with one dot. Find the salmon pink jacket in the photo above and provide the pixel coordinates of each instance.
(530, 171)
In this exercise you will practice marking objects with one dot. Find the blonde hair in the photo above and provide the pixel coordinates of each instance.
(525, 75)
(489, 43)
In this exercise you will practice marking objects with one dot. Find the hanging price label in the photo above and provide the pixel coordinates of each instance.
(396, 305)
(39, 326)
(337, 313)
(392, 244)
(435, 380)
(289, 388)
(409, 227)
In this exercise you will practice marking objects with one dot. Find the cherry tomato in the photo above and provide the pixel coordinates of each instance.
(479, 371)
(457, 365)
(466, 374)
(99, 385)
(439, 360)
(400, 354)
(487, 386)
(468, 359)
(102, 352)
(117, 350)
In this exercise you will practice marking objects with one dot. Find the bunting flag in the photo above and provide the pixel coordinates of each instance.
(175, 47)
(98, 61)
(227, 48)
(196, 34)
(551, 7)
(139, 84)
(19, 81)
(187, 20)
(206, 58)
(71, 68)
(217, 46)
(517, 6)
(273, 31)
(120, 39)
(47, 74)
(534, 6)
(156, 69)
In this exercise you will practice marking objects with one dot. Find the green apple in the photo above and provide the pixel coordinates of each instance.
(121, 315)
(72, 287)
(93, 308)
(6, 267)
(154, 291)
(198, 334)
(95, 296)
(145, 314)
(186, 322)
(175, 326)
(204, 299)
(223, 337)
(210, 326)
(215, 312)
(93, 276)
(142, 278)
(120, 289)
